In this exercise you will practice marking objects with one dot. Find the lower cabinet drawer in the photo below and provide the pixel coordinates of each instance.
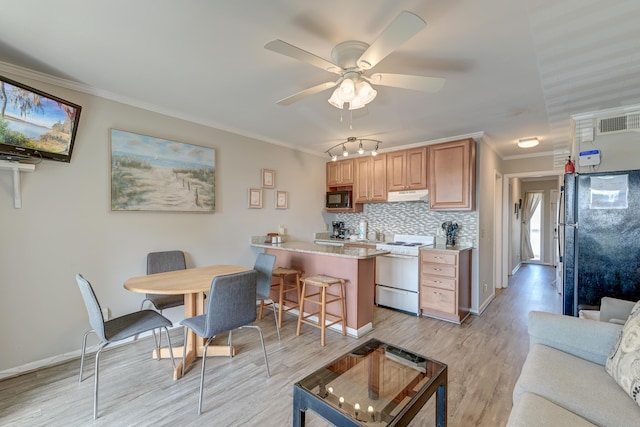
(439, 282)
(439, 269)
(438, 299)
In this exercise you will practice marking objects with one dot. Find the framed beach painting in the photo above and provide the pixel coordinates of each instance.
(282, 200)
(268, 178)
(255, 198)
(155, 174)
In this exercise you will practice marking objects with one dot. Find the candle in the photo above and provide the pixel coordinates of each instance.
(371, 413)
(330, 389)
(357, 408)
(370, 409)
(340, 401)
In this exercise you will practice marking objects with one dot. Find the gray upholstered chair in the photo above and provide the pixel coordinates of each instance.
(264, 266)
(116, 329)
(161, 262)
(231, 305)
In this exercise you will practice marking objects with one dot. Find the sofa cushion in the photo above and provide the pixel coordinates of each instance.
(580, 386)
(623, 363)
(532, 410)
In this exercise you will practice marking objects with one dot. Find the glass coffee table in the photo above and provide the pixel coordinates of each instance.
(375, 384)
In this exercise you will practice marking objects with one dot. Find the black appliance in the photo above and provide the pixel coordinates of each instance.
(338, 199)
(601, 238)
(337, 229)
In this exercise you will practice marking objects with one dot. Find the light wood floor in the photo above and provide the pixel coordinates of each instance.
(484, 356)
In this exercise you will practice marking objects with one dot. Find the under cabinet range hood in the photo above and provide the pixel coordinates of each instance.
(408, 196)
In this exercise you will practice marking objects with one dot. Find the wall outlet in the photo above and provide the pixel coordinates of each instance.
(485, 287)
(105, 313)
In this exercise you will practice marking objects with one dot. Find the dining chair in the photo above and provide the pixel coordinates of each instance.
(161, 262)
(264, 266)
(231, 305)
(116, 329)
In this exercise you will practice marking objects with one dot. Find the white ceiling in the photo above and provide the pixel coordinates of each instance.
(514, 68)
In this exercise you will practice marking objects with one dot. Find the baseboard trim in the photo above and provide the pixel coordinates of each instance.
(64, 357)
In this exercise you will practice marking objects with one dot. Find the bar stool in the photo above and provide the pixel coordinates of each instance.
(282, 273)
(322, 299)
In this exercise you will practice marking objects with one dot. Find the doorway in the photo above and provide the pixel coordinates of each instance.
(532, 227)
(508, 199)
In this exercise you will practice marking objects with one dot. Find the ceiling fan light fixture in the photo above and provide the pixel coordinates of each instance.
(336, 101)
(528, 142)
(365, 92)
(347, 90)
(354, 90)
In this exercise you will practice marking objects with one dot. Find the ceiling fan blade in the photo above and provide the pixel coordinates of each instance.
(295, 52)
(406, 81)
(405, 26)
(307, 92)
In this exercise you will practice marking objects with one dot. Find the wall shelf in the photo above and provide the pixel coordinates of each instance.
(16, 167)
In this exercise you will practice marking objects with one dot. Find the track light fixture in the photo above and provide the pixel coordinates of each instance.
(349, 146)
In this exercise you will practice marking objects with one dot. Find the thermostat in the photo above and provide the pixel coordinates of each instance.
(589, 158)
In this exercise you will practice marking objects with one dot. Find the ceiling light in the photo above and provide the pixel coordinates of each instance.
(528, 142)
(353, 89)
(349, 146)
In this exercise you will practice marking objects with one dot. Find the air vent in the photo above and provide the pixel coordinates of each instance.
(618, 124)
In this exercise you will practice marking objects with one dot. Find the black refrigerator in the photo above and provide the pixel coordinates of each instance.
(601, 225)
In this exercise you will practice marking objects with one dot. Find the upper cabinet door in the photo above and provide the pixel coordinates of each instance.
(417, 168)
(340, 173)
(370, 184)
(407, 169)
(452, 173)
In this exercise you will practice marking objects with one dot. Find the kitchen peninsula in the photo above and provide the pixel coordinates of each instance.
(355, 265)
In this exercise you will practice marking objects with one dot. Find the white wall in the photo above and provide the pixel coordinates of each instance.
(515, 224)
(65, 225)
(487, 165)
(619, 151)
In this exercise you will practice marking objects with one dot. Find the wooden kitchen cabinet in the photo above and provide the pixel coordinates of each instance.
(452, 175)
(445, 284)
(370, 183)
(340, 173)
(407, 169)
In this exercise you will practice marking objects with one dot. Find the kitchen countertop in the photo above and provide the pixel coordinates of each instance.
(318, 249)
(325, 237)
(441, 247)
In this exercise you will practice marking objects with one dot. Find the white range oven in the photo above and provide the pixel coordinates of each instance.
(398, 273)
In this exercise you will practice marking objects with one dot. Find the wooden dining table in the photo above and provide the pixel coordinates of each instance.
(192, 283)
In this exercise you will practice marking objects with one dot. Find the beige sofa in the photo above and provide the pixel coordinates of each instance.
(563, 380)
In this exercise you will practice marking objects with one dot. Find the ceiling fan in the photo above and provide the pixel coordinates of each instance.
(352, 59)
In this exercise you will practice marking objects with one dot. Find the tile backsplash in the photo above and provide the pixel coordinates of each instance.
(411, 218)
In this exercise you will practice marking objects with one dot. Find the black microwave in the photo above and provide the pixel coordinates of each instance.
(338, 199)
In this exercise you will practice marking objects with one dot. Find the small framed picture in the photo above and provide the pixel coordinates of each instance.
(255, 198)
(268, 178)
(282, 200)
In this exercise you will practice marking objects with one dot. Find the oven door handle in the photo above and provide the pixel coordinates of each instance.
(400, 256)
(396, 290)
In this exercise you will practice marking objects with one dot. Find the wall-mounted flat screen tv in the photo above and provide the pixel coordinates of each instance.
(34, 124)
